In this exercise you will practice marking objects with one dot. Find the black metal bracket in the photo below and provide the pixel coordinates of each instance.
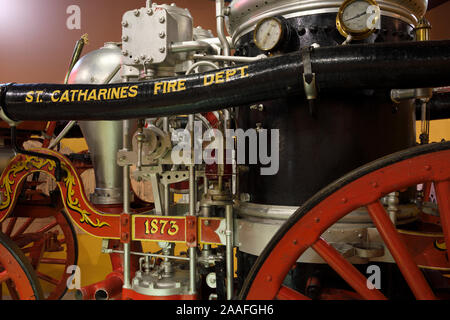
(18, 149)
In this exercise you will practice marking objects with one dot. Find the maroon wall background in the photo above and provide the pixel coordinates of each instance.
(35, 44)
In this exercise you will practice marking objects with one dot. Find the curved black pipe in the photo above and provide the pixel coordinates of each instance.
(439, 107)
(387, 65)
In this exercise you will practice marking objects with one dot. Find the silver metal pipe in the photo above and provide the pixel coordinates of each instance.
(126, 207)
(229, 250)
(62, 134)
(192, 179)
(192, 270)
(192, 211)
(151, 255)
(201, 63)
(167, 195)
(228, 58)
(220, 19)
(188, 46)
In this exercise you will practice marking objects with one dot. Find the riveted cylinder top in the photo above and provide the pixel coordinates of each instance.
(245, 14)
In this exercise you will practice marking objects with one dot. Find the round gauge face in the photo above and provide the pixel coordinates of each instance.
(268, 34)
(355, 16)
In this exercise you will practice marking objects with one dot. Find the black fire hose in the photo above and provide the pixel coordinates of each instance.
(371, 66)
(438, 106)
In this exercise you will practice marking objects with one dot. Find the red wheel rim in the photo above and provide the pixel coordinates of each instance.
(67, 257)
(363, 187)
(16, 273)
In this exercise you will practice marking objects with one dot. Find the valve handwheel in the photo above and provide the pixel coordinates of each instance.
(50, 247)
(17, 276)
(362, 187)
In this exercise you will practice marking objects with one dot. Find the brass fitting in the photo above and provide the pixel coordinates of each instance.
(422, 30)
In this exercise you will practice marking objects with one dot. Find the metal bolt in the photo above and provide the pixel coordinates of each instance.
(149, 12)
(162, 49)
(259, 107)
(136, 12)
(125, 52)
(125, 38)
(374, 184)
(295, 242)
(162, 34)
(206, 223)
(143, 57)
(344, 200)
(269, 278)
(317, 220)
(136, 60)
(125, 24)
(162, 19)
(427, 167)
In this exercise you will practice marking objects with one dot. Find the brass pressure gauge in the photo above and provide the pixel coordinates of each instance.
(358, 18)
(270, 33)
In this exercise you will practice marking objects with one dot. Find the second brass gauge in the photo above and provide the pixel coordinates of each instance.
(358, 18)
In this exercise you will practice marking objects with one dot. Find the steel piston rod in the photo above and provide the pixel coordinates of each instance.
(401, 65)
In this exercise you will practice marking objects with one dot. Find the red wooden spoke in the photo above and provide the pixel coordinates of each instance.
(10, 227)
(426, 191)
(48, 227)
(47, 278)
(12, 290)
(443, 197)
(346, 270)
(399, 251)
(53, 261)
(51, 126)
(4, 276)
(23, 227)
(27, 250)
(33, 252)
(286, 293)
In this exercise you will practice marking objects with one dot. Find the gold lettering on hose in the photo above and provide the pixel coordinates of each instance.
(127, 92)
(68, 96)
(225, 76)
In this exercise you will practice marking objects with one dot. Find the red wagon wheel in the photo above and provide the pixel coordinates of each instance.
(50, 247)
(362, 187)
(16, 273)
